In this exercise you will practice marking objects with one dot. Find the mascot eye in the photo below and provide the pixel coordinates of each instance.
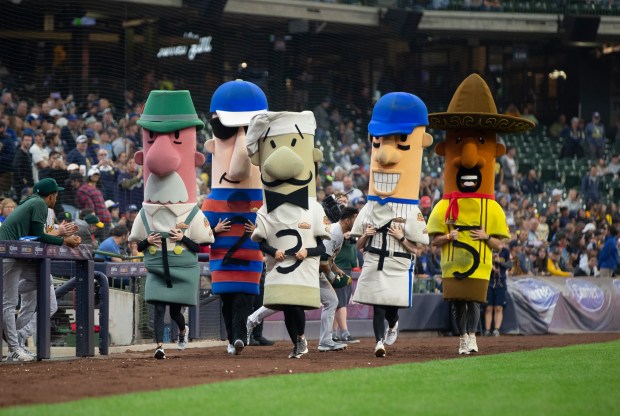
(272, 143)
(176, 137)
(293, 142)
(481, 140)
(376, 144)
(403, 137)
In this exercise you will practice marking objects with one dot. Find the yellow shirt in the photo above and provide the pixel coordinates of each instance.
(465, 256)
(555, 270)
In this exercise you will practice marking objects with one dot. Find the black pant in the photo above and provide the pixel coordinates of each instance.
(175, 315)
(467, 316)
(236, 307)
(380, 315)
(295, 321)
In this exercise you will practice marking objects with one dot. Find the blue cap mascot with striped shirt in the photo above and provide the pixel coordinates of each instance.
(236, 261)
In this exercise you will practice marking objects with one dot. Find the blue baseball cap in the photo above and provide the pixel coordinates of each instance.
(397, 113)
(72, 117)
(236, 102)
(28, 132)
(90, 133)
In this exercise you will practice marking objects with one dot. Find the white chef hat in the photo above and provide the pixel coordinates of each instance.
(274, 123)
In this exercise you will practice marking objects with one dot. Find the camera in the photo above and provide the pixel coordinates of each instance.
(332, 208)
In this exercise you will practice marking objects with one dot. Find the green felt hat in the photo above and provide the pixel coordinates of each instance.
(166, 111)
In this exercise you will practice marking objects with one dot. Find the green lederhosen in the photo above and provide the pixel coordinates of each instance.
(182, 283)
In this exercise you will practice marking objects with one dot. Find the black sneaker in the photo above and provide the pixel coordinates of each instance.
(264, 342)
(294, 354)
(160, 354)
(349, 339)
(336, 338)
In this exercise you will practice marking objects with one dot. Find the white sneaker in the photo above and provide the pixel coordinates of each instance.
(231, 349)
(19, 355)
(183, 339)
(472, 346)
(391, 334)
(379, 349)
(464, 345)
(334, 346)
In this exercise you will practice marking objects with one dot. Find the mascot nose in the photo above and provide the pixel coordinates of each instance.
(283, 164)
(162, 158)
(469, 156)
(387, 155)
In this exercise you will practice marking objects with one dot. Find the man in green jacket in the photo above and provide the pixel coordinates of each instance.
(28, 220)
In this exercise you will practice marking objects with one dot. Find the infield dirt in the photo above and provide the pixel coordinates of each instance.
(66, 380)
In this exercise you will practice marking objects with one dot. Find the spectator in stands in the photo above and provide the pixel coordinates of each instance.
(556, 129)
(532, 236)
(89, 196)
(509, 167)
(522, 264)
(113, 209)
(553, 263)
(7, 154)
(69, 133)
(6, 207)
(108, 174)
(497, 292)
(40, 156)
(528, 114)
(349, 190)
(56, 168)
(591, 186)
(608, 258)
(531, 184)
(87, 226)
(590, 270)
(571, 202)
(22, 164)
(114, 244)
(78, 155)
(595, 136)
(614, 166)
(130, 186)
(541, 261)
(573, 138)
(322, 120)
(131, 213)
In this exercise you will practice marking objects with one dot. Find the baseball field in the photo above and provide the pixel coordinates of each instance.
(512, 375)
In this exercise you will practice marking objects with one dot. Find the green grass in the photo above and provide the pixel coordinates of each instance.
(575, 380)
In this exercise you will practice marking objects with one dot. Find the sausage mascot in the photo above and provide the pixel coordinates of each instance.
(291, 224)
(467, 223)
(235, 260)
(170, 225)
(390, 224)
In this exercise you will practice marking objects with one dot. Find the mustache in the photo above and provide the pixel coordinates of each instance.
(291, 181)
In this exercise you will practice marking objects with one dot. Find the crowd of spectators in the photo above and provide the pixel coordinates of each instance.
(88, 149)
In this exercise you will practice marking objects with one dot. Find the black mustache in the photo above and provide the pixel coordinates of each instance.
(292, 181)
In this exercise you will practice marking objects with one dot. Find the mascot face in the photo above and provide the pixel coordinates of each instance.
(396, 162)
(231, 167)
(470, 160)
(169, 161)
(287, 162)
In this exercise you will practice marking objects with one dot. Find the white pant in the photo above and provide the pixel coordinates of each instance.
(13, 271)
(27, 317)
(329, 299)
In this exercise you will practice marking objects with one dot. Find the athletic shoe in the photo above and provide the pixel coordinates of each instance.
(334, 346)
(19, 355)
(379, 349)
(294, 354)
(230, 349)
(183, 339)
(336, 338)
(238, 346)
(264, 342)
(472, 345)
(160, 354)
(250, 324)
(391, 334)
(496, 332)
(27, 351)
(349, 339)
(464, 345)
(487, 333)
(302, 346)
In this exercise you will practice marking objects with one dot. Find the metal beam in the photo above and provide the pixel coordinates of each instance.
(172, 3)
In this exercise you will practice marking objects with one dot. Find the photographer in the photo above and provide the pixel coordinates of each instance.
(497, 292)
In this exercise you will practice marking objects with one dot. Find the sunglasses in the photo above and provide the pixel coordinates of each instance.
(223, 132)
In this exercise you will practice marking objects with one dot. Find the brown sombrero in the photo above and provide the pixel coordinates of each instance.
(473, 107)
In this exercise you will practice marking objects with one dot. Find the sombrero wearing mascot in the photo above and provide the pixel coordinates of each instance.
(170, 225)
(390, 224)
(467, 223)
(291, 224)
(235, 260)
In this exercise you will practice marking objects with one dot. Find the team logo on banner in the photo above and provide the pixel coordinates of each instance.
(539, 293)
(587, 294)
